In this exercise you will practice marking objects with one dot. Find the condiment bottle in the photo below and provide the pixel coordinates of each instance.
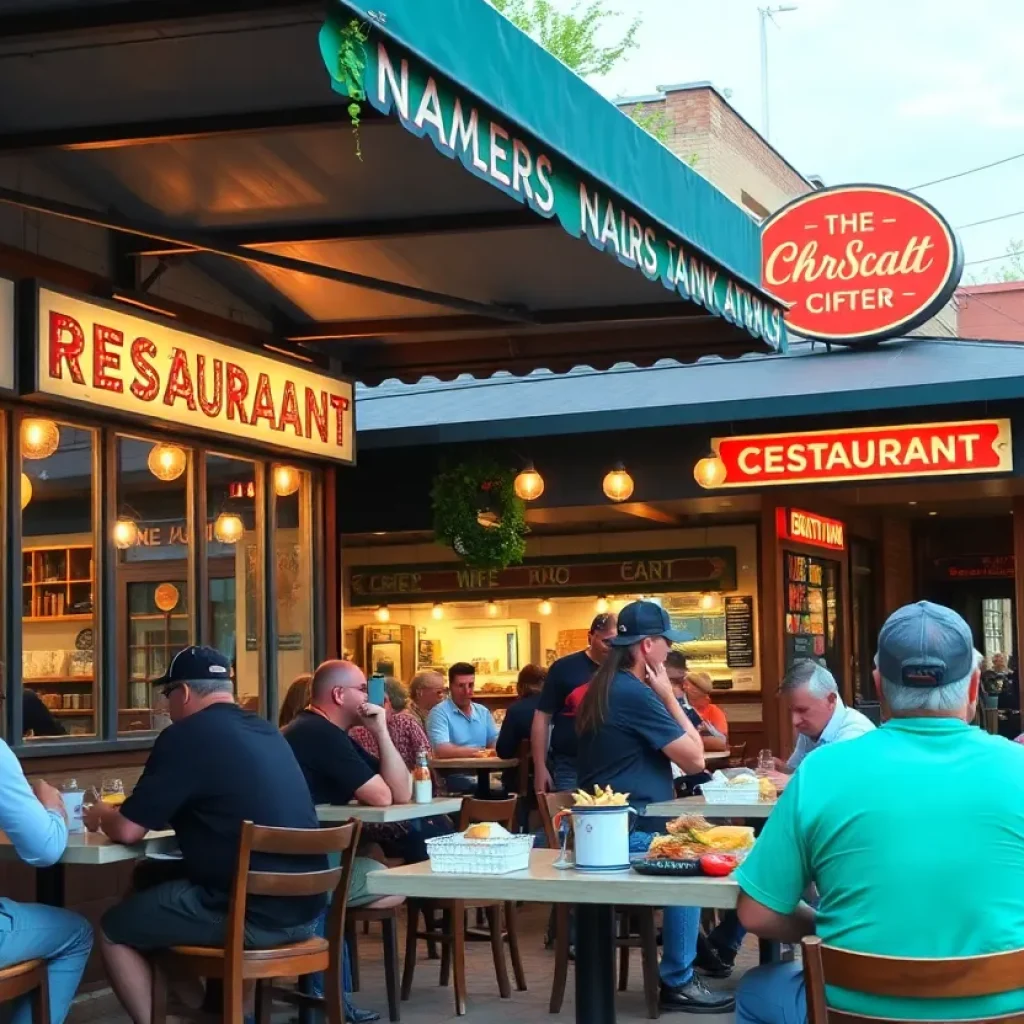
(422, 784)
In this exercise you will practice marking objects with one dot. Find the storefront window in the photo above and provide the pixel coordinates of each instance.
(153, 537)
(234, 555)
(293, 571)
(58, 580)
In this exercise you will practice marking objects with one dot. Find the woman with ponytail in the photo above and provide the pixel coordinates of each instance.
(632, 729)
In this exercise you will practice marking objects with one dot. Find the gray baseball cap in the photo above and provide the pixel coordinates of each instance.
(925, 645)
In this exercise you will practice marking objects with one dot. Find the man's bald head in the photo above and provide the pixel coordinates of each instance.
(333, 674)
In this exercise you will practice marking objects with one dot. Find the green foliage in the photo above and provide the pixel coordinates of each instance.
(460, 493)
(572, 36)
(652, 119)
(1010, 269)
(351, 69)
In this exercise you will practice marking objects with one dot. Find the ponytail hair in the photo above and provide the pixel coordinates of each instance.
(594, 707)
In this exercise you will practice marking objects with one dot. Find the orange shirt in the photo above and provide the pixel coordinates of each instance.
(715, 717)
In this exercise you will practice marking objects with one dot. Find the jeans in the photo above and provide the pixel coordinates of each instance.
(680, 926)
(729, 934)
(772, 995)
(563, 773)
(31, 931)
(316, 981)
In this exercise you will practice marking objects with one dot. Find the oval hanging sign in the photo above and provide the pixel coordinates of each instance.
(859, 263)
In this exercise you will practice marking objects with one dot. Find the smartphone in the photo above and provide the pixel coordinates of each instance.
(375, 690)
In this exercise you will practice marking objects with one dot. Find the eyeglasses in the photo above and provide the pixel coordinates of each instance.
(170, 688)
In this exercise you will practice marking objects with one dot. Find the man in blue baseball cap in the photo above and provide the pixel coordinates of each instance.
(632, 729)
(882, 825)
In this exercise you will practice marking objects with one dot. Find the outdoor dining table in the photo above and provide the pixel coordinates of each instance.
(698, 805)
(90, 849)
(335, 813)
(594, 895)
(481, 767)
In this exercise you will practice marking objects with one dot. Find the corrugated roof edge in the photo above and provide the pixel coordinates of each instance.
(674, 195)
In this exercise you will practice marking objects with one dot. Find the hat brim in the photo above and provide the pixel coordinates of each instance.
(675, 636)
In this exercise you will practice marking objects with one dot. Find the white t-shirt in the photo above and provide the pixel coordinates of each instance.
(845, 724)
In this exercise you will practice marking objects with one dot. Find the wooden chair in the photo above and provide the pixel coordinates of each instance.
(452, 934)
(28, 978)
(897, 977)
(524, 786)
(635, 929)
(388, 917)
(234, 964)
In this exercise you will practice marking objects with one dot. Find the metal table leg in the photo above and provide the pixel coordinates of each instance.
(595, 964)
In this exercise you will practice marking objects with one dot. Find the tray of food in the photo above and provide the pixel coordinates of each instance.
(694, 846)
(483, 849)
(740, 788)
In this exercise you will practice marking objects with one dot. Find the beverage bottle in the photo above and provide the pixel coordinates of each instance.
(422, 785)
(73, 799)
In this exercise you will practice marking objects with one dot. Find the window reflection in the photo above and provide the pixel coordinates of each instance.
(235, 569)
(57, 580)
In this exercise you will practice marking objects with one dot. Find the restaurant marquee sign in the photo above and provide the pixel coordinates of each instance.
(862, 453)
(649, 572)
(859, 263)
(794, 524)
(98, 355)
(497, 152)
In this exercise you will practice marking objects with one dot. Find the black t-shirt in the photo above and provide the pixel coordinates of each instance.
(206, 775)
(36, 717)
(564, 676)
(333, 765)
(626, 751)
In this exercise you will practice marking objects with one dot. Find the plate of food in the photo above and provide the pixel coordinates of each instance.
(693, 846)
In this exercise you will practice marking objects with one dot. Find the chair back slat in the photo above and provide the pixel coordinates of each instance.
(284, 883)
(550, 805)
(300, 841)
(501, 811)
(905, 978)
(523, 772)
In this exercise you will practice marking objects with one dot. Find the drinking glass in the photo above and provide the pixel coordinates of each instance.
(112, 792)
(766, 761)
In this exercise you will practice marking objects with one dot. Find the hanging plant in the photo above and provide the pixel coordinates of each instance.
(477, 513)
(352, 41)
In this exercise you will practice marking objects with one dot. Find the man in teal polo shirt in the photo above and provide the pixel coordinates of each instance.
(458, 727)
(913, 835)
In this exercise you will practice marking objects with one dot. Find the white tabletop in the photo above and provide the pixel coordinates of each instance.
(542, 883)
(698, 805)
(387, 815)
(94, 848)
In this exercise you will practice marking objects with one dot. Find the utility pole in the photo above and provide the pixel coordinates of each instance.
(768, 14)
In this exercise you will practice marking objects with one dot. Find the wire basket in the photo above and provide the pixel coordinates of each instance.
(734, 793)
(456, 855)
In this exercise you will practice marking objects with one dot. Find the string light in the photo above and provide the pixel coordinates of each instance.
(437, 611)
(618, 484)
(709, 472)
(286, 480)
(492, 609)
(125, 533)
(707, 602)
(383, 614)
(545, 607)
(529, 484)
(601, 605)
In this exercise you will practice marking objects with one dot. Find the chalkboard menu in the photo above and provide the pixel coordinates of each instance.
(739, 632)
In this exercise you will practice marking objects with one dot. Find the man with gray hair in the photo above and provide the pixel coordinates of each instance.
(214, 767)
(868, 823)
(818, 714)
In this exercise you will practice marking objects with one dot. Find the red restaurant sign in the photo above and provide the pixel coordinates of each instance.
(806, 528)
(859, 262)
(864, 453)
(99, 355)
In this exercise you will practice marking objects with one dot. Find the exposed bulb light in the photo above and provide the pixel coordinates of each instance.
(492, 610)
(707, 602)
(437, 611)
(167, 461)
(545, 607)
(709, 472)
(529, 484)
(383, 614)
(286, 480)
(601, 605)
(618, 484)
(39, 438)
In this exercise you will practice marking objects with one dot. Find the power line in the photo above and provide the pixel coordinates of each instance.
(995, 309)
(963, 174)
(992, 259)
(990, 220)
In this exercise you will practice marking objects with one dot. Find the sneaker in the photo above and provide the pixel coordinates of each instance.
(711, 961)
(353, 1015)
(696, 997)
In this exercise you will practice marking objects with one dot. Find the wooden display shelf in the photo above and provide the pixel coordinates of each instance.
(84, 617)
(58, 680)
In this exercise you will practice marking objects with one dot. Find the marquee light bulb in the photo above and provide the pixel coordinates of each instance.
(618, 484)
(709, 472)
(529, 484)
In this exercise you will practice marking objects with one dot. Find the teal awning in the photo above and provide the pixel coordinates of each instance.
(461, 74)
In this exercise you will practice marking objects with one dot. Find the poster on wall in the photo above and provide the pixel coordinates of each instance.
(739, 631)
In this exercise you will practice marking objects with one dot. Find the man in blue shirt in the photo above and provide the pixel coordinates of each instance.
(459, 728)
(884, 826)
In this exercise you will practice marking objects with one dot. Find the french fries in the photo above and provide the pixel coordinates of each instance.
(600, 798)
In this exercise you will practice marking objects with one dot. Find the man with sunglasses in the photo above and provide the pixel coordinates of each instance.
(555, 766)
(214, 767)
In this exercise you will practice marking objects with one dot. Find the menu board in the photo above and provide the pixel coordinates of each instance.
(739, 632)
(812, 614)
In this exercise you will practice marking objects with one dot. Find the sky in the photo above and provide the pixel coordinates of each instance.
(896, 92)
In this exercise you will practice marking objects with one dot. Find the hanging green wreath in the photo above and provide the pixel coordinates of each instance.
(477, 513)
(352, 41)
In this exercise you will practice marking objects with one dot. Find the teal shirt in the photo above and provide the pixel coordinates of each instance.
(914, 837)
